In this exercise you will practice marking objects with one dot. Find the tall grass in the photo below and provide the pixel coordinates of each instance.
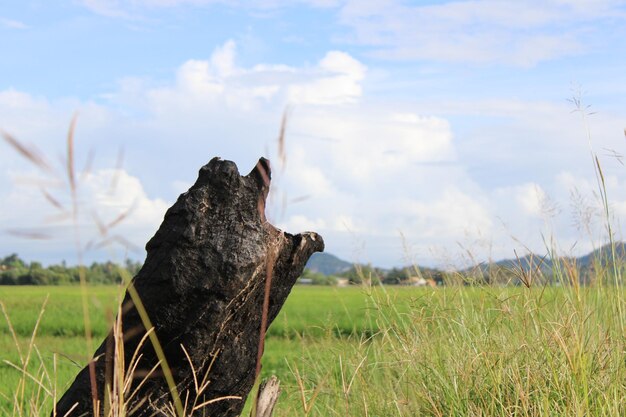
(472, 352)
(406, 351)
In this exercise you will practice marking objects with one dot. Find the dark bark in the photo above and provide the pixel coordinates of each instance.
(203, 285)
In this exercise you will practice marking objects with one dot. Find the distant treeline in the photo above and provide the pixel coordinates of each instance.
(359, 274)
(567, 271)
(526, 271)
(15, 271)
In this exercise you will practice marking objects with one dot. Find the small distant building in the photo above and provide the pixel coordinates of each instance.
(343, 282)
(305, 281)
(420, 282)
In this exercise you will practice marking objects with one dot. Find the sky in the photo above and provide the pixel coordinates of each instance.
(440, 133)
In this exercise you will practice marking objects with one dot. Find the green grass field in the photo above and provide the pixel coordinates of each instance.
(453, 351)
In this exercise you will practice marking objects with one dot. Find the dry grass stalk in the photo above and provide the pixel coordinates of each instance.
(528, 275)
(282, 153)
(31, 153)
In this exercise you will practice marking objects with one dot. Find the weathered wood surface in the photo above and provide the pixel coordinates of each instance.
(202, 285)
(267, 397)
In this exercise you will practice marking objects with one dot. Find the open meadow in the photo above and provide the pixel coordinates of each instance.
(358, 351)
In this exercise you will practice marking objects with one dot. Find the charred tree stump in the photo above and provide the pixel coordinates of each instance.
(203, 288)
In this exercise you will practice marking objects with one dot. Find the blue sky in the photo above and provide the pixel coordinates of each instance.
(417, 132)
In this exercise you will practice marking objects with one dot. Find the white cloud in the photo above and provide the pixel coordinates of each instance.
(263, 4)
(12, 24)
(339, 83)
(302, 223)
(520, 33)
(312, 179)
(113, 191)
(586, 204)
(364, 146)
(333, 223)
(132, 9)
(35, 119)
(510, 33)
(341, 63)
(273, 68)
(216, 84)
(531, 198)
(197, 78)
(223, 59)
(113, 211)
(450, 215)
(565, 211)
(109, 8)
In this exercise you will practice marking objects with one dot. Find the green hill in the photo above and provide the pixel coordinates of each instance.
(327, 264)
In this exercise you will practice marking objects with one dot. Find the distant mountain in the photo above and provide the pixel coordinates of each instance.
(527, 262)
(546, 266)
(603, 255)
(327, 264)
(544, 262)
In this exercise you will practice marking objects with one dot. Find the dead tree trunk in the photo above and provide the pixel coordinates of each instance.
(202, 286)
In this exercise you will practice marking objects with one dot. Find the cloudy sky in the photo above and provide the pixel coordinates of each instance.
(426, 131)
